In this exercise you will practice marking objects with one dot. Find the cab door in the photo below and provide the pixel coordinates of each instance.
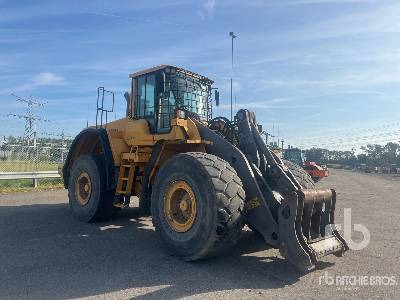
(146, 99)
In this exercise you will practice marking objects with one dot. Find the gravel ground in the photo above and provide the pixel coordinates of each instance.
(46, 254)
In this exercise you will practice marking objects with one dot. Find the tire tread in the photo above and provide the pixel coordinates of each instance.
(302, 176)
(230, 198)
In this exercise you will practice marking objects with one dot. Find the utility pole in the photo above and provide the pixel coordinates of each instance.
(266, 137)
(87, 117)
(278, 137)
(232, 35)
(30, 125)
(30, 118)
(235, 104)
(273, 132)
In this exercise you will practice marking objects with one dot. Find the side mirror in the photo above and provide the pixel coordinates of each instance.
(127, 97)
(216, 96)
(128, 102)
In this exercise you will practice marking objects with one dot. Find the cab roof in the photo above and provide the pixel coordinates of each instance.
(178, 69)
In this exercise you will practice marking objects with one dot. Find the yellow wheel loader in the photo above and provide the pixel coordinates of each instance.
(200, 178)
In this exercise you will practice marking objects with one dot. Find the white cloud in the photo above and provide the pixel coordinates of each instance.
(209, 6)
(47, 78)
(39, 80)
(346, 80)
(355, 51)
(207, 9)
(373, 21)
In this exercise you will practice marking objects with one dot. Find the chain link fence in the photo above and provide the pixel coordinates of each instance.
(31, 158)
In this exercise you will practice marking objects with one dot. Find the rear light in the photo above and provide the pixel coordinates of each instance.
(180, 114)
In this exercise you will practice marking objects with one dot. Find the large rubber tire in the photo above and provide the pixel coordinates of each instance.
(219, 199)
(99, 207)
(302, 176)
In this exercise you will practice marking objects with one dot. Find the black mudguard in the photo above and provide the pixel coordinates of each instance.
(78, 147)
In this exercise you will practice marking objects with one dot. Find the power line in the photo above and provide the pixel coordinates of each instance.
(30, 101)
(30, 118)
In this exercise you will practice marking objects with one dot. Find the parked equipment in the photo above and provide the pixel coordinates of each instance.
(201, 178)
(316, 171)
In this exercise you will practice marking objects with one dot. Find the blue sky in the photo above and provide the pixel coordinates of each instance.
(327, 72)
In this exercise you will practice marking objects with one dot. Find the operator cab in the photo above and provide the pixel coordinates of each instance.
(294, 155)
(158, 94)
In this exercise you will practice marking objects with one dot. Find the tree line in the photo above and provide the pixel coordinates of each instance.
(372, 155)
(43, 141)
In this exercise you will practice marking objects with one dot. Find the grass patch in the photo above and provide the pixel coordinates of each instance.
(25, 185)
(21, 185)
(27, 166)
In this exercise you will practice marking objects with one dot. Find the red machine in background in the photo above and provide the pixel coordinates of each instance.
(316, 171)
(296, 156)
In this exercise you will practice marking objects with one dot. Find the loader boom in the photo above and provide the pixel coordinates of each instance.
(300, 222)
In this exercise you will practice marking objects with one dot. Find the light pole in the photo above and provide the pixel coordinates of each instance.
(232, 35)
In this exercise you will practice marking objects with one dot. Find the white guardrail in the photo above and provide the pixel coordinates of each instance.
(29, 175)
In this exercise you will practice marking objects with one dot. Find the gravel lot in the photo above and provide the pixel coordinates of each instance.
(46, 254)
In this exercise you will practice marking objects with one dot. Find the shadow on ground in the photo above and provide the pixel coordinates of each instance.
(45, 253)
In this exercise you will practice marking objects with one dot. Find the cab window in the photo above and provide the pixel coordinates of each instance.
(146, 91)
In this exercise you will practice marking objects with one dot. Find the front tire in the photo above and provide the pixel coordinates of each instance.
(304, 179)
(89, 200)
(196, 205)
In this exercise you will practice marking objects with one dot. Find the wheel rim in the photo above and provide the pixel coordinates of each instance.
(83, 188)
(180, 206)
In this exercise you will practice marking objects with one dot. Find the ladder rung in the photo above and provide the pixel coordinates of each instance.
(124, 178)
(126, 166)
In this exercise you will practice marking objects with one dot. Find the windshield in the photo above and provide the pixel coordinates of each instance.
(159, 94)
(188, 93)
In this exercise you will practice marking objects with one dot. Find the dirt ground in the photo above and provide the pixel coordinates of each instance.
(46, 254)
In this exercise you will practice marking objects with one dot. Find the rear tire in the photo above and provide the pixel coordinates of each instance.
(218, 196)
(89, 200)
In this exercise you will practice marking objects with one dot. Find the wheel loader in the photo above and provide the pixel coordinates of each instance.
(295, 155)
(200, 178)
